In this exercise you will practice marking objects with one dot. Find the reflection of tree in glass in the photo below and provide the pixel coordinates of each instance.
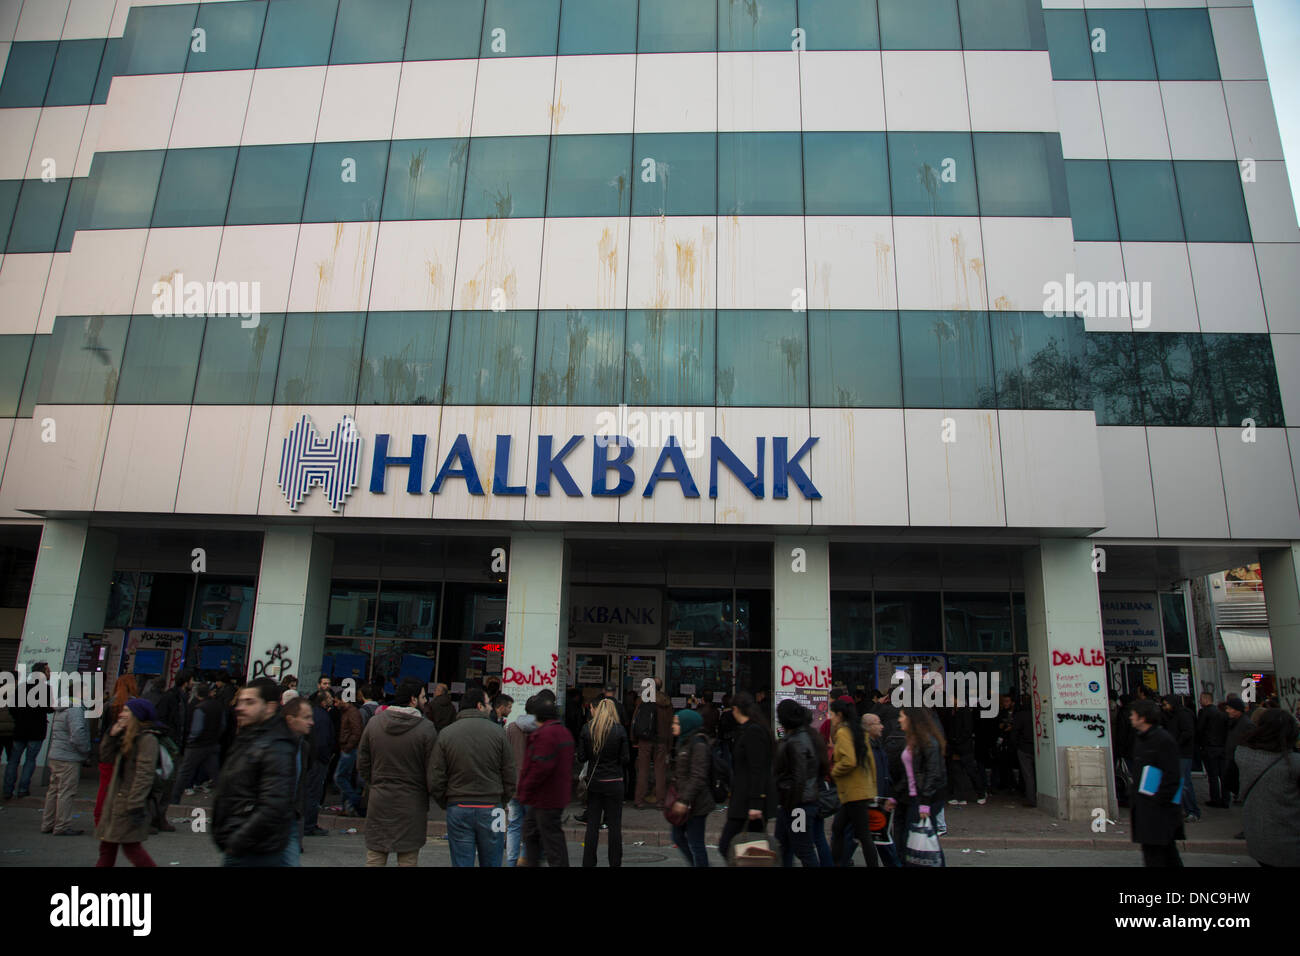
(1243, 379)
(1113, 378)
(1054, 377)
(1174, 379)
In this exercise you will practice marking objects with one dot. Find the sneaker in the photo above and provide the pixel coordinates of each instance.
(983, 800)
(316, 831)
(189, 792)
(957, 803)
(166, 827)
(1193, 818)
(69, 832)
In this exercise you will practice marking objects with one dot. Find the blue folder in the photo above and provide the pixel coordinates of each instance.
(1150, 783)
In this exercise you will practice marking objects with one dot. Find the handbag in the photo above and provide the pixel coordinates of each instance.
(828, 800)
(922, 847)
(755, 851)
(676, 818)
(584, 781)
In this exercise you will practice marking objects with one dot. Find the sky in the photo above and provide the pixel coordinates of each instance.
(1279, 32)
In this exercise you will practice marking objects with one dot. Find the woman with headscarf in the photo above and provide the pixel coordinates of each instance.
(131, 746)
(693, 801)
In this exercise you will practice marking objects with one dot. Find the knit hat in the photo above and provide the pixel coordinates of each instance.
(142, 709)
(690, 720)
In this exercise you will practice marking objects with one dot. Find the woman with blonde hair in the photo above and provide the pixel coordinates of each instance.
(123, 690)
(131, 746)
(604, 748)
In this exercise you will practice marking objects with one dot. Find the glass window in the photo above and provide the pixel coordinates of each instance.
(1020, 620)
(346, 182)
(237, 365)
(83, 360)
(214, 651)
(408, 611)
(370, 31)
(107, 69)
(850, 622)
(1068, 44)
(919, 25)
(195, 187)
(520, 28)
(404, 358)
(14, 352)
(670, 357)
(684, 167)
(507, 177)
(1041, 361)
(932, 174)
(947, 360)
(705, 614)
(907, 621)
(270, 182)
(9, 190)
(233, 34)
(754, 621)
(426, 179)
(755, 25)
(298, 33)
(1122, 50)
(677, 26)
(157, 39)
(1214, 209)
(444, 30)
(598, 26)
(579, 358)
(1174, 377)
(857, 672)
(347, 658)
(977, 622)
(855, 360)
(763, 358)
(839, 24)
(35, 372)
(1173, 615)
(75, 69)
(845, 174)
(37, 216)
(320, 359)
(1021, 174)
(1092, 204)
(121, 190)
(1146, 200)
(161, 360)
(589, 176)
(1113, 375)
(702, 668)
(1183, 44)
(71, 214)
(224, 603)
(352, 608)
(492, 358)
(754, 673)
(1002, 25)
(27, 73)
(760, 174)
(394, 661)
(1243, 380)
(474, 612)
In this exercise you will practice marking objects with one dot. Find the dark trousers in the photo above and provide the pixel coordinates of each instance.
(1156, 854)
(1214, 776)
(795, 831)
(197, 760)
(1231, 779)
(855, 812)
(312, 790)
(544, 835)
(604, 802)
(1027, 777)
(733, 827)
(690, 840)
(970, 771)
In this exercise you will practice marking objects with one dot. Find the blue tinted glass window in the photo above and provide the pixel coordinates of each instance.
(520, 28)
(444, 30)
(684, 169)
(579, 358)
(121, 190)
(670, 357)
(1183, 44)
(85, 355)
(1068, 44)
(1146, 200)
(759, 174)
(426, 179)
(370, 31)
(919, 25)
(404, 358)
(1092, 205)
(346, 182)
(37, 218)
(947, 360)
(107, 69)
(195, 187)
(1214, 209)
(1021, 174)
(855, 359)
(35, 371)
(598, 26)
(932, 174)
(1002, 25)
(14, 352)
(71, 215)
(75, 70)
(1243, 380)
(1041, 361)
(839, 24)
(157, 39)
(590, 176)
(238, 364)
(233, 34)
(1122, 48)
(490, 358)
(27, 73)
(1174, 377)
(297, 33)
(1112, 374)
(845, 174)
(9, 190)
(507, 177)
(270, 182)
(161, 360)
(755, 24)
(677, 26)
(762, 358)
(321, 358)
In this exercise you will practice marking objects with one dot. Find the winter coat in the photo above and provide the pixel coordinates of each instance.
(1211, 731)
(517, 736)
(322, 735)
(442, 711)
(1271, 815)
(128, 788)
(396, 759)
(663, 727)
(472, 762)
(613, 757)
(208, 723)
(931, 777)
(349, 728)
(1022, 732)
(173, 713)
(752, 786)
(799, 769)
(691, 772)
(70, 740)
(1183, 727)
(548, 767)
(1157, 819)
(253, 805)
(853, 781)
(1238, 729)
(29, 722)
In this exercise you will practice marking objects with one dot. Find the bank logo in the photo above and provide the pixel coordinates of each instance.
(307, 459)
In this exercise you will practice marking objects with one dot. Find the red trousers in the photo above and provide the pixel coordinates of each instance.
(105, 778)
(135, 852)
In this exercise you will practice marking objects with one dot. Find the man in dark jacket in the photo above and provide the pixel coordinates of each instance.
(323, 747)
(1211, 743)
(961, 750)
(396, 760)
(173, 714)
(1156, 810)
(1239, 725)
(441, 709)
(544, 787)
(349, 739)
(30, 724)
(1182, 725)
(202, 744)
(652, 730)
(1026, 749)
(252, 813)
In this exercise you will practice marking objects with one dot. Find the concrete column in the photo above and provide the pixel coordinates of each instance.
(70, 590)
(801, 620)
(1281, 570)
(537, 611)
(1068, 680)
(293, 594)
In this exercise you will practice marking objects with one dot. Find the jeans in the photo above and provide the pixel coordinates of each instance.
(819, 841)
(855, 812)
(256, 859)
(1214, 776)
(733, 827)
(343, 779)
(1189, 789)
(690, 840)
(197, 761)
(544, 837)
(469, 828)
(794, 831)
(27, 750)
(604, 801)
(293, 849)
(514, 831)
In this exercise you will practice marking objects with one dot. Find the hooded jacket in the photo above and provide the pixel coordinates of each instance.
(799, 768)
(691, 770)
(70, 740)
(253, 805)
(396, 759)
(472, 762)
(548, 767)
(124, 819)
(517, 736)
(442, 711)
(1271, 815)
(349, 728)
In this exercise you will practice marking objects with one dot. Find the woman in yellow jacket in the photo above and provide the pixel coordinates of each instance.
(854, 770)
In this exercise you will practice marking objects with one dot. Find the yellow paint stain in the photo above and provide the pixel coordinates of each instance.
(1002, 303)
(558, 109)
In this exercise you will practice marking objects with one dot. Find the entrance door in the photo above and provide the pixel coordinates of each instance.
(592, 669)
(638, 665)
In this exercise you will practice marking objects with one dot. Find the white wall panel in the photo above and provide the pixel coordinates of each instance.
(584, 263)
(414, 265)
(673, 263)
(142, 459)
(59, 475)
(221, 472)
(1258, 484)
(954, 483)
(1188, 483)
(1051, 469)
(862, 454)
(332, 269)
(500, 254)
(1126, 482)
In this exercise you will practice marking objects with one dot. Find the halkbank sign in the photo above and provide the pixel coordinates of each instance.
(605, 464)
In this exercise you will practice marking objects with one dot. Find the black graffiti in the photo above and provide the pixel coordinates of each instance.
(273, 655)
(1095, 722)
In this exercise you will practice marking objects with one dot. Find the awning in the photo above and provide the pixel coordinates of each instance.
(1249, 649)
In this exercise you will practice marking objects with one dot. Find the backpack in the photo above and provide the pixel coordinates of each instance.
(645, 723)
(720, 772)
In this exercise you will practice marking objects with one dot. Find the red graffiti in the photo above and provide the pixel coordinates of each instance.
(1038, 710)
(532, 677)
(819, 677)
(1093, 658)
